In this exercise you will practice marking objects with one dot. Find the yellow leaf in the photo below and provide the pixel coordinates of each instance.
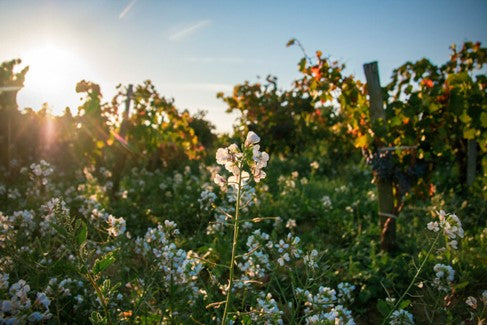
(361, 141)
(465, 118)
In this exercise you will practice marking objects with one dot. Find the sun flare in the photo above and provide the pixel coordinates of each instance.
(52, 77)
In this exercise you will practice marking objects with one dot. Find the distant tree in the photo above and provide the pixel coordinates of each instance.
(203, 129)
(10, 83)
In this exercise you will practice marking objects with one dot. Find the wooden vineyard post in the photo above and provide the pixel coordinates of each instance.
(384, 186)
(122, 154)
(123, 127)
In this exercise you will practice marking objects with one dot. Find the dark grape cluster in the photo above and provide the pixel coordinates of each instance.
(386, 166)
(382, 164)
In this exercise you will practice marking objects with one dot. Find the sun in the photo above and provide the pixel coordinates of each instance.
(52, 77)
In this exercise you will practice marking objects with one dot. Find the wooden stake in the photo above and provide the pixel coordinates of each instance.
(384, 186)
(122, 154)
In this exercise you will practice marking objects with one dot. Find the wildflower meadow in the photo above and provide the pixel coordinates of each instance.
(312, 211)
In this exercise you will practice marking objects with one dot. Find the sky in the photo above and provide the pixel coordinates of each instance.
(193, 49)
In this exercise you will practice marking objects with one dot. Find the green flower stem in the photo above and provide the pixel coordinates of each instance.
(91, 278)
(101, 296)
(234, 246)
(413, 280)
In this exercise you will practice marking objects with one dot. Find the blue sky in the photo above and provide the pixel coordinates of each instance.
(193, 49)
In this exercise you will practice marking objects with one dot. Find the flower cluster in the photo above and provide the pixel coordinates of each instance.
(266, 312)
(178, 266)
(217, 225)
(288, 248)
(256, 262)
(25, 224)
(321, 307)
(401, 317)
(52, 208)
(69, 289)
(345, 293)
(311, 259)
(7, 232)
(444, 276)
(18, 308)
(326, 202)
(39, 174)
(117, 226)
(451, 226)
(206, 199)
(287, 183)
(100, 219)
(235, 160)
(63, 287)
(41, 171)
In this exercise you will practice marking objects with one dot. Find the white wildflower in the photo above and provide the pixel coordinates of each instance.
(433, 226)
(252, 138)
(220, 180)
(291, 223)
(314, 165)
(472, 302)
(117, 226)
(43, 300)
(326, 202)
(451, 226)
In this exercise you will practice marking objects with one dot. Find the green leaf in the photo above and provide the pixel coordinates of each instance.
(60, 229)
(483, 119)
(302, 64)
(461, 285)
(404, 304)
(365, 295)
(433, 107)
(458, 78)
(97, 318)
(469, 133)
(383, 307)
(395, 121)
(81, 232)
(246, 320)
(102, 264)
(106, 287)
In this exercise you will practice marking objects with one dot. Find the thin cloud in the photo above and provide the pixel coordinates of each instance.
(127, 9)
(179, 35)
(231, 60)
(204, 87)
(211, 87)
